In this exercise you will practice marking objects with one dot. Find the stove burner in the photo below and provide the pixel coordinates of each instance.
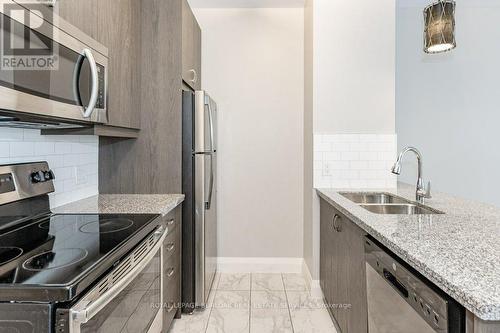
(52, 260)
(106, 226)
(8, 254)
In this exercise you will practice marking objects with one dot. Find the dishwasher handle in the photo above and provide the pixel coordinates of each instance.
(396, 284)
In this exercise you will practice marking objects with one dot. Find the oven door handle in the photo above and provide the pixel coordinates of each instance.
(82, 316)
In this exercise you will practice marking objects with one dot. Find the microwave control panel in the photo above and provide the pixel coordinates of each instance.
(101, 99)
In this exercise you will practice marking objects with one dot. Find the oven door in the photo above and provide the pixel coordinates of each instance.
(47, 73)
(128, 299)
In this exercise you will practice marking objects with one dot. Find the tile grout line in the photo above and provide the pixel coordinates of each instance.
(287, 302)
(216, 288)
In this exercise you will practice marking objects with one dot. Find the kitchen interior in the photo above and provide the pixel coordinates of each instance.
(300, 166)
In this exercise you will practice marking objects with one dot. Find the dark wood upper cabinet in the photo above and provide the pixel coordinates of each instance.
(81, 14)
(343, 270)
(119, 30)
(191, 48)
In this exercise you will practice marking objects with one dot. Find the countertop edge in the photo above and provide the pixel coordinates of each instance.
(160, 204)
(492, 311)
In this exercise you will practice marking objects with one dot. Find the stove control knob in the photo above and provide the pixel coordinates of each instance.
(49, 175)
(37, 177)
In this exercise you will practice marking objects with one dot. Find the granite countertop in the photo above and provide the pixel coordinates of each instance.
(458, 251)
(123, 204)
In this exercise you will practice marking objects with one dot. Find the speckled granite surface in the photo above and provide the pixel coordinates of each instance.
(123, 204)
(458, 251)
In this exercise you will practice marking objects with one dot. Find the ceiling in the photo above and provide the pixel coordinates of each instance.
(246, 3)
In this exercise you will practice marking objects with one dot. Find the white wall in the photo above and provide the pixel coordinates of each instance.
(353, 100)
(448, 104)
(354, 66)
(252, 62)
(308, 132)
(74, 160)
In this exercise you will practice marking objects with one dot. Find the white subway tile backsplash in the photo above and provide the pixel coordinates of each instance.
(350, 156)
(20, 149)
(64, 147)
(368, 156)
(354, 160)
(338, 165)
(73, 158)
(11, 134)
(44, 148)
(340, 147)
(4, 149)
(332, 156)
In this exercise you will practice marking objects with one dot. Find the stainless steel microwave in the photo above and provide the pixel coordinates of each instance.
(52, 75)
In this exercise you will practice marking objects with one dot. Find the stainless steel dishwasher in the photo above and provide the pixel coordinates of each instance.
(401, 300)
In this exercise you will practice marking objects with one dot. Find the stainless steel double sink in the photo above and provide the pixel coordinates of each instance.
(388, 204)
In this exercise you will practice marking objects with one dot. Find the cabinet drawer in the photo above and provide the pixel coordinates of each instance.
(171, 244)
(172, 292)
(171, 223)
(171, 268)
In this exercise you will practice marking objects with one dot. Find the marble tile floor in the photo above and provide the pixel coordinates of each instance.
(258, 303)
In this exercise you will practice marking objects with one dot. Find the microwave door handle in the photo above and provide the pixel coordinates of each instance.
(79, 316)
(94, 94)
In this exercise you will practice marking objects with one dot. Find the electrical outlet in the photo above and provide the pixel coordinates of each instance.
(327, 169)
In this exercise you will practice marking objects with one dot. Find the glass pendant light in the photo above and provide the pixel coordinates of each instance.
(439, 34)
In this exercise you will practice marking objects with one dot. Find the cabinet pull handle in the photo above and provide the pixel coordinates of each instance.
(170, 247)
(170, 222)
(195, 75)
(170, 272)
(336, 224)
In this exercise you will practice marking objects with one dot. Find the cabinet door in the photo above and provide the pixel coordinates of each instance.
(354, 282)
(339, 268)
(325, 261)
(191, 48)
(342, 269)
(118, 30)
(329, 252)
(349, 266)
(80, 13)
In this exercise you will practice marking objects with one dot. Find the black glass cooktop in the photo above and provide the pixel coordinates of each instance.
(60, 250)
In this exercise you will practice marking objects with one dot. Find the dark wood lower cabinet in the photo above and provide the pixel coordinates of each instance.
(342, 270)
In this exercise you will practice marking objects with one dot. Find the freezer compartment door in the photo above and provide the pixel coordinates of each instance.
(205, 123)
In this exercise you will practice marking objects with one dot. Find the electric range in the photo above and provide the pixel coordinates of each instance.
(68, 273)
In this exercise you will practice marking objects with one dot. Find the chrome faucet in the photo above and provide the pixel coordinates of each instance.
(422, 192)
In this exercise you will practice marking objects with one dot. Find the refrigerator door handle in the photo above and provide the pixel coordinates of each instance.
(210, 121)
(211, 184)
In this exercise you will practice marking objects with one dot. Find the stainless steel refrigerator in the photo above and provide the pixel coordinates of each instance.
(199, 182)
